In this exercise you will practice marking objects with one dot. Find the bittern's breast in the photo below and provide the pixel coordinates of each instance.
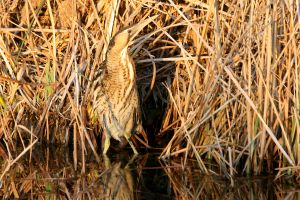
(122, 116)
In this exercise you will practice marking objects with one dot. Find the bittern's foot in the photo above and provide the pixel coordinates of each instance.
(127, 136)
(133, 147)
(131, 160)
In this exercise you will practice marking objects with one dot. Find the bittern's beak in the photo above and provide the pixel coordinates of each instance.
(135, 29)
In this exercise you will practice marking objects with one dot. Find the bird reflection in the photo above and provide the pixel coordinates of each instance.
(118, 179)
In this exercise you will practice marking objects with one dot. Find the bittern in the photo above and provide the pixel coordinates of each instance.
(116, 99)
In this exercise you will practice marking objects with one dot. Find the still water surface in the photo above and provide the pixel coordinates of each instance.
(53, 174)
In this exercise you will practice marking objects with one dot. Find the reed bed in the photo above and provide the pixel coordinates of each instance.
(225, 72)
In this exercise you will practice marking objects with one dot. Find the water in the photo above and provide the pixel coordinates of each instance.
(52, 174)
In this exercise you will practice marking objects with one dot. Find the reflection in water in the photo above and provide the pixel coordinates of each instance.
(118, 180)
(189, 183)
(51, 175)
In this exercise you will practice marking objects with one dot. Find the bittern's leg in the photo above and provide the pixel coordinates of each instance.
(106, 144)
(131, 160)
(107, 163)
(131, 144)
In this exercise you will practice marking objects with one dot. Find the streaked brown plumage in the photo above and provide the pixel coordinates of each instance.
(116, 99)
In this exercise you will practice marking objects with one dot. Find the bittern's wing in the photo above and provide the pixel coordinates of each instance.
(97, 87)
(98, 76)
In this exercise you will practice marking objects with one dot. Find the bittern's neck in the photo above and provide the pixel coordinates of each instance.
(115, 57)
(120, 62)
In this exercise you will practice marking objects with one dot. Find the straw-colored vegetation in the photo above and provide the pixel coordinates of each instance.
(227, 73)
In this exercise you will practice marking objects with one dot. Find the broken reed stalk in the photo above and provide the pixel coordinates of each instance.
(228, 71)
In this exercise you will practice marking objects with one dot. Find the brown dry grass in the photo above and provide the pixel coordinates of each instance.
(230, 71)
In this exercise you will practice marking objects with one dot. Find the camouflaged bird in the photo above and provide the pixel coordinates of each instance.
(115, 98)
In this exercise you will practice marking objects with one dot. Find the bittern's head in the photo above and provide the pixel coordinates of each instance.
(120, 41)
